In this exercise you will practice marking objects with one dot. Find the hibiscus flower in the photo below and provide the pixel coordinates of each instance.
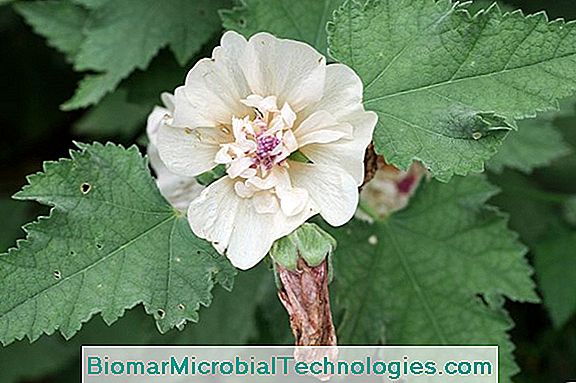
(290, 130)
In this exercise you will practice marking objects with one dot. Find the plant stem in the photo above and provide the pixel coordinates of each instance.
(304, 294)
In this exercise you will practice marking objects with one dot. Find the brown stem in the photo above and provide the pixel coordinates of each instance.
(304, 292)
(305, 296)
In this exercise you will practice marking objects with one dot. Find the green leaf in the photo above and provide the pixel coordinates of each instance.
(560, 175)
(91, 89)
(15, 213)
(536, 215)
(60, 22)
(123, 36)
(303, 20)
(215, 326)
(478, 5)
(536, 144)
(212, 175)
(114, 116)
(532, 210)
(110, 242)
(91, 4)
(298, 156)
(230, 320)
(433, 273)
(428, 63)
(163, 75)
(555, 264)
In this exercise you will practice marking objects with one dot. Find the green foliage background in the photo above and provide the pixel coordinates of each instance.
(47, 79)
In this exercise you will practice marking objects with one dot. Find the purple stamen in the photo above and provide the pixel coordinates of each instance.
(265, 145)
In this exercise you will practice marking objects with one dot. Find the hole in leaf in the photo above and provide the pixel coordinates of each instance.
(72, 253)
(57, 274)
(99, 246)
(242, 22)
(85, 188)
(181, 306)
(161, 313)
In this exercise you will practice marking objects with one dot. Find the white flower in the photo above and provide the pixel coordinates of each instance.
(252, 106)
(178, 190)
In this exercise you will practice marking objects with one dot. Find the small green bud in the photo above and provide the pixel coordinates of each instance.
(308, 241)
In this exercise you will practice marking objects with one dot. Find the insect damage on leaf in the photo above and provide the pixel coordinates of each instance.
(467, 125)
(103, 250)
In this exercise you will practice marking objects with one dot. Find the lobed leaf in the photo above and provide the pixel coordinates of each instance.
(426, 64)
(110, 243)
(61, 22)
(434, 273)
(113, 38)
(555, 264)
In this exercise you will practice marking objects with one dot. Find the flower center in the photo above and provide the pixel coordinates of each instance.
(256, 158)
(260, 143)
(266, 145)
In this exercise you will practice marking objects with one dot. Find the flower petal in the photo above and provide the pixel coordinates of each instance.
(342, 96)
(237, 167)
(344, 153)
(333, 190)
(155, 120)
(265, 202)
(234, 226)
(255, 233)
(214, 87)
(178, 190)
(212, 215)
(188, 152)
(292, 71)
(252, 237)
(320, 127)
(342, 99)
(292, 200)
